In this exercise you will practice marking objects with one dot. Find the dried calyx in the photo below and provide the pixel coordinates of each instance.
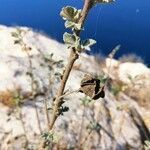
(91, 87)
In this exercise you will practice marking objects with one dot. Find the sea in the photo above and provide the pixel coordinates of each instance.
(124, 22)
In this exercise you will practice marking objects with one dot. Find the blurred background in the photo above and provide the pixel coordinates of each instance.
(124, 22)
(31, 67)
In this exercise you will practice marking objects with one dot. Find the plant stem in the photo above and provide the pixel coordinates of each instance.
(73, 57)
(85, 139)
(33, 89)
(46, 112)
(23, 126)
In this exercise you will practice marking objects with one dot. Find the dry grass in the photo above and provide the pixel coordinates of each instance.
(12, 98)
(116, 86)
(141, 95)
(139, 92)
(8, 98)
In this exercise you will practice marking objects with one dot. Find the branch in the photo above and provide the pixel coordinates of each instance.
(73, 57)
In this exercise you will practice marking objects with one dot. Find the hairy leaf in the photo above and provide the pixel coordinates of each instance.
(69, 39)
(70, 13)
(72, 41)
(70, 24)
(86, 44)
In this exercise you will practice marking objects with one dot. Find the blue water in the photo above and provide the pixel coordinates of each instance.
(126, 22)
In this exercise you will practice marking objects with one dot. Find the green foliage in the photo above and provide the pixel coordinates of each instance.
(86, 44)
(115, 89)
(48, 137)
(17, 98)
(103, 78)
(94, 126)
(62, 109)
(52, 62)
(72, 17)
(72, 40)
(86, 101)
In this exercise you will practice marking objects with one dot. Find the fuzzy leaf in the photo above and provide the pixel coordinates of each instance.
(86, 44)
(78, 26)
(70, 24)
(72, 41)
(70, 13)
(69, 39)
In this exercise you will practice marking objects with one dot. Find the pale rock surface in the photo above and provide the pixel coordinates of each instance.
(133, 70)
(126, 71)
(117, 127)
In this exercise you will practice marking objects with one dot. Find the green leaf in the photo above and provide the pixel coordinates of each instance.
(71, 14)
(48, 137)
(78, 26)
(69, 39)
(86, 44)
(72, 41)
(70, 24)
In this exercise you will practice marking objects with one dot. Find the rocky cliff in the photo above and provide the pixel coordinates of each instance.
(30, 70)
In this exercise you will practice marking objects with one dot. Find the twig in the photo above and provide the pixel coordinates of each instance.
(111, 56)
(23, 126)
(68, 93)
(86, 138)
(32, 87)
(46, 112)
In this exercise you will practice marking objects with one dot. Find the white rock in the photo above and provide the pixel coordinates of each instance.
(132, 70)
